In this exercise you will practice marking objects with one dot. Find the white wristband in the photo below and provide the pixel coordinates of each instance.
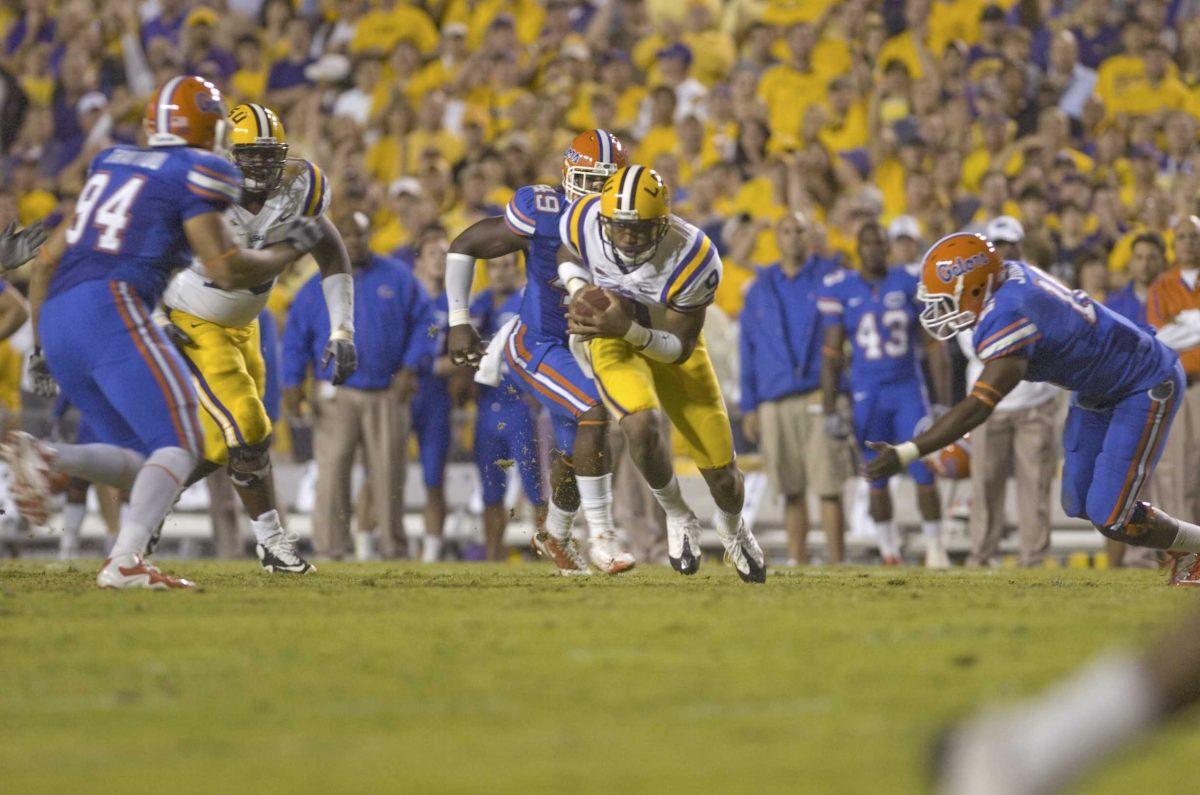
(459, 317)
(339, 299)
(907, 453)
(460, 272)
(574, 277)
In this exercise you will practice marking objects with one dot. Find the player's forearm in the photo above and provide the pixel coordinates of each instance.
(940, 372)
(39, 284)
(13, 312)
(242, 268)
(953, 425)
(831, 371)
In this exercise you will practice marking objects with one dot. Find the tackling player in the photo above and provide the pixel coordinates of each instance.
(142, 214)
(877, 308)
(1126, 384)
(537, 351)
(217, 330)
(640, 297)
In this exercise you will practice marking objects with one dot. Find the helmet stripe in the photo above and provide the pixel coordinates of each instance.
(605, 146)
(261, 119)
(628, 191)
(164, 104)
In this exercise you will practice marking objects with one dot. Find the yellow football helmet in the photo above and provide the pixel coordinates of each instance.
(259, 146)
(635, 212)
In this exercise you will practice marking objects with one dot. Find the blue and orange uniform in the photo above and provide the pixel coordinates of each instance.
(431, 406)
(127, 238)
(537, 351)
(504, 426)
(886, 383)
(1127, 385)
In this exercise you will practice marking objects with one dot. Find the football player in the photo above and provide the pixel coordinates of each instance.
(217, 330)
(537, 351)
(640, 281)
(143, 213)
(876, 307)
(1126, 384)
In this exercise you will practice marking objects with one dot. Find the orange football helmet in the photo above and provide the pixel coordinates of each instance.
(591, 158)
(187, 111)
(952, 462)
(957, 277)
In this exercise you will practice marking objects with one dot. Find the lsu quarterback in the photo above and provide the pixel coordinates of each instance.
(217, 329)
(640, 281)
(143, 213)
(536, 350)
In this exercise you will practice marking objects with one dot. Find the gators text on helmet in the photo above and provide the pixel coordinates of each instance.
(590, 159)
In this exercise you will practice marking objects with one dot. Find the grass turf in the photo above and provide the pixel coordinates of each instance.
(504, 678)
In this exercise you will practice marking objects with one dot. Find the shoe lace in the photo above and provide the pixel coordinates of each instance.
(283, 546)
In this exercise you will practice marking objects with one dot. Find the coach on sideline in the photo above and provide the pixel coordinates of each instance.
(392, 316)
(780, 342)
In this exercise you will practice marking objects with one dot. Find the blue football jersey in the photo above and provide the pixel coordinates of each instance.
(128, 222)
(881, 322)
(488, 319)
(533, 214)
(1069, 339)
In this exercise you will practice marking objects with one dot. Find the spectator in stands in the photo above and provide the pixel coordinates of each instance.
(1017, 439)
(371, 410)
(780, 346)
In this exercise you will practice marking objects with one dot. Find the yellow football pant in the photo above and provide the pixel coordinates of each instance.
(231, 379)
(687, 392)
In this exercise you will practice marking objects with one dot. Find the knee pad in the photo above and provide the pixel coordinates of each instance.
(249, 465)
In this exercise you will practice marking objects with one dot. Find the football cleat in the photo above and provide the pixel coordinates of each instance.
(30, 475)
(977, 758)
(130, 571)
(935, 554)
(743, 551)
(607, 555)
(1185, 569)
(564, 552)
(278, 554)
(893, 560)
(683, 544)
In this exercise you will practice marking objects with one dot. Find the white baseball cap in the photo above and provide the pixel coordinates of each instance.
(904, 226)
(1005, 229)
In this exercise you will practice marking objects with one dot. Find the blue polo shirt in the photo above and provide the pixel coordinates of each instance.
(1126, 303)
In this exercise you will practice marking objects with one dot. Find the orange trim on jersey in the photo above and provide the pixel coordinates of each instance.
(516, 366)
(203, 169)
(1011, 326)
(1149, 432)
(550, 372)
(208, 194)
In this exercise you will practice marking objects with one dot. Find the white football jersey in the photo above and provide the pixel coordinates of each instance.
(304, 192)
(683, 273)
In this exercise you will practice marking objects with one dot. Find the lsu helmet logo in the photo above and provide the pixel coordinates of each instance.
(949, 270)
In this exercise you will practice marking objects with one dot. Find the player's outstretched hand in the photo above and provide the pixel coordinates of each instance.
(464, 346)
(41, 382)
(884, 465)
(836, 426)
(595, 312)
(17, 248)
(344, 357)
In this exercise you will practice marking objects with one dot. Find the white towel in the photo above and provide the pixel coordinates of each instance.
(579, 348)
(489, 373)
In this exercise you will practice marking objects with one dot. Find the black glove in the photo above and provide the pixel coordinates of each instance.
(17, 248)
(344, 357)
(40, 380)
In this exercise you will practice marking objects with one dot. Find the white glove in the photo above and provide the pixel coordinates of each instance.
(17, 248)
(41, 382)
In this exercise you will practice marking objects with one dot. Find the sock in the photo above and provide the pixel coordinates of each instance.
(431, 551)
(155, 488)
(98, 463)
(73, 515)
(1188, 538)
(932, 529)
(266, 526)
(728, 524)
(671, 500)
(595, 498)
(889, 541)
(559, 522)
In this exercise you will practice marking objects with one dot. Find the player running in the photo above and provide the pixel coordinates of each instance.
(1126, 386)
(877, 305)
(640, 297)
(143, 213)
(217, 330)
(537, 352)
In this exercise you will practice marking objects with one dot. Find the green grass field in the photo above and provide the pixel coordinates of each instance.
(504, 678)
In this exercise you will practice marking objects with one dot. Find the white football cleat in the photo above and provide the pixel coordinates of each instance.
(935, 554)
(608, 556)
(30, 475)
(130, 571)
(564, 552)
(278, 554)
(743, 551)
(683, 544)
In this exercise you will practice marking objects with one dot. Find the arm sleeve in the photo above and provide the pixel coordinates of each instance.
(418, 351)
(746, 343)
(297, 341)
(1005, 333)
(213, 184)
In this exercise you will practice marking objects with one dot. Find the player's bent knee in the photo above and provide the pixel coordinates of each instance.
(726, 483)
(641, 427)
(250, 465)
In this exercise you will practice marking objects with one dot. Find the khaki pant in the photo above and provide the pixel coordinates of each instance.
(378, 423)
(224, 509)
(1021, 442)
(797, 453)
(1175, 487)
(634, 508)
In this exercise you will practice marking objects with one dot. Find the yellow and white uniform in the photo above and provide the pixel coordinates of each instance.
(683, 275)
(226, 360)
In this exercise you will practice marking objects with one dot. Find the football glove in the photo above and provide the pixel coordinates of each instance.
(17, 248)
(301, 234)
(836, 426)
(342, 353)
(40, 381)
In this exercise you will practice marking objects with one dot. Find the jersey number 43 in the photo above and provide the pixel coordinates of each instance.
(872, 343)
(110, 217)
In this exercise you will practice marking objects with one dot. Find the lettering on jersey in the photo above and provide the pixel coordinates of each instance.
(895, 299)
(151, 161)
(949, 270)
(835, 277)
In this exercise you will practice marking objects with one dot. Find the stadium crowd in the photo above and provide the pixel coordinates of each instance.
(781, 128)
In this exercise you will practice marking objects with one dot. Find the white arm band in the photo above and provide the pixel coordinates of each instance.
(574, 277)
(460, 272)
(907, 453)
(339, 300)
(1178, 336)
(661, 346)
